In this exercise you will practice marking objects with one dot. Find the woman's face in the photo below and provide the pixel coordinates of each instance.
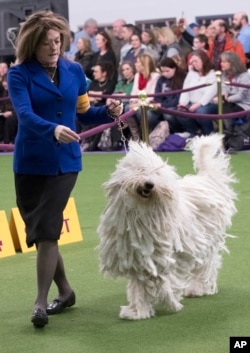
(196, 63)
(135, 42)
(225, 65)
(48, 51)
(100, 41)
(138, 66)
(167, 72)
(127, 71)
(80, 45)
(145, 37)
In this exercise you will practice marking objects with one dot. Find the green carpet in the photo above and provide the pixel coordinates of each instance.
(93, 326)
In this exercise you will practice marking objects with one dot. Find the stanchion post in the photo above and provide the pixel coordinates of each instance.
(144, 120)
(220, 103)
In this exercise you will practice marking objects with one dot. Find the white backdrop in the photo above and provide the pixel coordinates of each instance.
(106, 11)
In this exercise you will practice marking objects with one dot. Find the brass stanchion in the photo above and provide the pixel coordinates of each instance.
(144, 120)
(220, 103)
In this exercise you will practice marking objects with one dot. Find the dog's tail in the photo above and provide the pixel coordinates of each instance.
(209, 156)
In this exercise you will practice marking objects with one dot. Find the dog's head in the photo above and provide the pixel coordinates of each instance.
(142, 175)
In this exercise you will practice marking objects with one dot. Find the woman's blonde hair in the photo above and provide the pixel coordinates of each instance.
(87, 44)
(148, 64)
(34, 30)
(168, 35)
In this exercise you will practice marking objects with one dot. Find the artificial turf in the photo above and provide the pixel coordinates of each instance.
(92, 325)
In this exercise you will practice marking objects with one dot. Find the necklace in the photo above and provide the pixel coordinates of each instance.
(101, 84)
(51, 71)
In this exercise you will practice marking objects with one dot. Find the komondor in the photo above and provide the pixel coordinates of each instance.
(165, 233)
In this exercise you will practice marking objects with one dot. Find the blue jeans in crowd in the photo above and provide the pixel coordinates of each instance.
(196, 126)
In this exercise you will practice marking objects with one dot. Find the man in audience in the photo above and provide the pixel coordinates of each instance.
(117, 37)
(241, 24)
(222, 42)
(89, 30)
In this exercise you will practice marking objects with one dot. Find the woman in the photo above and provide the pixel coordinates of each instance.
(105, 52)
(48, 92)
(136, 48)
(171, 79)
(123, 87)
(145, 80)
(150, 41)
(235, 99)
(125, 84)
(84, 54)
(199, 101)
(168, 42)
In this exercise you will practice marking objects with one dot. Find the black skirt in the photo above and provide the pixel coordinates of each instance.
(41, 201)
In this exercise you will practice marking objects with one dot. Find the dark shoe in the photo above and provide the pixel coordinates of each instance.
(39, 318)
(57, 305)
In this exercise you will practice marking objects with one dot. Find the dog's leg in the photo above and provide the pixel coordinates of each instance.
(140, 302)
(171, 294)
(204, 281)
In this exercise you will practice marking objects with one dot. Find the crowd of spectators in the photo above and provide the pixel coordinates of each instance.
(126, 60)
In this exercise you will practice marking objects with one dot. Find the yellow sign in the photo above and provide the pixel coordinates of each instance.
(71, 230)
(6, 242)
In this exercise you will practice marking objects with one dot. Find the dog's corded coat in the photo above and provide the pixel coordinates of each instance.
(163, 232)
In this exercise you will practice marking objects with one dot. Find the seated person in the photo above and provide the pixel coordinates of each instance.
(103, 83)
(8, 118)
(199, 101)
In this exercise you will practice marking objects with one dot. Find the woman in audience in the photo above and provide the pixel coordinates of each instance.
(84, 54)
(169, 43)
(235, 99)
(136, 48)
(145, 80)
(123, 87)
(105, 52)
(199, 101)
(150, 41)
(171, 79)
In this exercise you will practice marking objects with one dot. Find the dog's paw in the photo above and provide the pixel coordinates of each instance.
(126, 313)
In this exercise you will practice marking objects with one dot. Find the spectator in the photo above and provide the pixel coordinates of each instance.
(84, 55)
(136, 48)
(223, 42)
(117, 37)
(72, 48)
(150, 41)
(127, 31)
(145, 80)
(200, 42)
(89, 30)
(8, 118)
(235, 99)
(241, 24)
(199, 101)
(123, 87)
(105, 52)
(102, 83)
(171, 79)
(169, 43)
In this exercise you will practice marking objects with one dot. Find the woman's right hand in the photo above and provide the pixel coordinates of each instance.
(64, 134)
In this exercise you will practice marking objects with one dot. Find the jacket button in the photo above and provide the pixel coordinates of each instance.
(59, 114)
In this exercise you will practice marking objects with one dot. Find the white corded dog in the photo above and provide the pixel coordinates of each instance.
(163, 232)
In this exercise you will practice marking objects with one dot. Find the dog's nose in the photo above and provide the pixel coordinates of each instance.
(149, 185)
